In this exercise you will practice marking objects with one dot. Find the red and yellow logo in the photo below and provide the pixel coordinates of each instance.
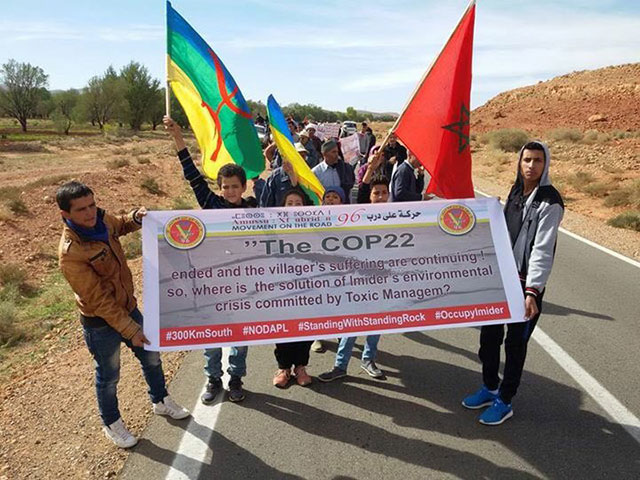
(184, 232)
(456, 219)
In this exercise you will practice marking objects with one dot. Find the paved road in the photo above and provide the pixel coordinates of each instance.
(411, 424)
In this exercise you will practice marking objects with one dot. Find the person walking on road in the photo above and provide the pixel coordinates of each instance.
(93, 262)
(533, 213)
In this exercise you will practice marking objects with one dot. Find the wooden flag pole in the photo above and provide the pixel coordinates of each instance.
(167, 94)
(415, 91)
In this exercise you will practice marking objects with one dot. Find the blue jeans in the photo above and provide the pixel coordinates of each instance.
(104, 345)
(345, 348)
(237, 362)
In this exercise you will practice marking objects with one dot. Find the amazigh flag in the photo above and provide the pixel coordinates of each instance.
(284, 141)
(218, 113)
(435, 124)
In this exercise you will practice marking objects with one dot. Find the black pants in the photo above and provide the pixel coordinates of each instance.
(515, 348)
(292, 354)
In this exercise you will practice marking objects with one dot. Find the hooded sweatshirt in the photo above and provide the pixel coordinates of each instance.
(533, 223)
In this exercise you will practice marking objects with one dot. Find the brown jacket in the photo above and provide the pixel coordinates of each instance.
(99, 274)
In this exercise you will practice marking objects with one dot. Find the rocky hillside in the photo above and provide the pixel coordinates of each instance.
(605, 99)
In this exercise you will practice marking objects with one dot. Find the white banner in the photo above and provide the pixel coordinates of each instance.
(351, 148)
(245, 276)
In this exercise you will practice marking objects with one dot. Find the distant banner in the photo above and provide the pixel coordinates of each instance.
(328, 130)
(249, 276)
(350, 148)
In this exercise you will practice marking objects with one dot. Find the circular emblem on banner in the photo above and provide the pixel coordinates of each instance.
(456, 219)
(184, 232)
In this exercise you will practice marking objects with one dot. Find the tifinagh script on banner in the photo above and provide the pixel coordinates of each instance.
(244, 276)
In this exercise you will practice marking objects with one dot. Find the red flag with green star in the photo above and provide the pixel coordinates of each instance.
(435, 124)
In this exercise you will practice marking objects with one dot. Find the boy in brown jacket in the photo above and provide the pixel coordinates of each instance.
(93, 262)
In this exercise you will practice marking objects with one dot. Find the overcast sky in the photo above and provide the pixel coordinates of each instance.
(335, 54)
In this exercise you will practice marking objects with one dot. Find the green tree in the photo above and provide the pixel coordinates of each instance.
(65, 111)
(351, 114)
(157, 109)
(103, 98)
(21, 86)
(257, 108)
(139, 94)
(177, 112)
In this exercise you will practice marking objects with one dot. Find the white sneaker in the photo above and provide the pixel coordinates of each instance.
(170, 408)
(118, 434)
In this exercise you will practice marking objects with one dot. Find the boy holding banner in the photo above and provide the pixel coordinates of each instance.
(232, 180)
(93, 262)
(378, 190)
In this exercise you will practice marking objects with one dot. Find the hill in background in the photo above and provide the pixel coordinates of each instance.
(603, 99)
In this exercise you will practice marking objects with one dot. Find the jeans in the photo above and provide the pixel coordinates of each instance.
(104, 345)
(237, 362)
(346, 347)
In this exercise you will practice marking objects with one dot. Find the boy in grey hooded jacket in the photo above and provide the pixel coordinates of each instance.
(533, 212)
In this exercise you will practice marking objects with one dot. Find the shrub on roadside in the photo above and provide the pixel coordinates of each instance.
(119, 163)
(10, 198)
(597, 189)
(181, 203)
(629, 220)
(150, 185)
(579, 180)
(628, 195)
(10, 332)
(5, 213)
(570, 135)
(132, 245)
(593, 136)
(507, 139)
(25, 147)
(143, 160)
(12, 274)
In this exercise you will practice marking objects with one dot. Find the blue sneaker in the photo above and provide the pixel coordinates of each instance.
(482, 398)
(496, 413)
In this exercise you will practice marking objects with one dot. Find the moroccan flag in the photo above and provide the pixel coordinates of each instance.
(218, 113)
(435, 123)
(284, 141)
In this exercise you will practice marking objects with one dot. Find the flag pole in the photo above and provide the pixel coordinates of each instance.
(167, 94)
(415, 91)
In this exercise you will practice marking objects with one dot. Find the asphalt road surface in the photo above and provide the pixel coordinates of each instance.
(575, 415)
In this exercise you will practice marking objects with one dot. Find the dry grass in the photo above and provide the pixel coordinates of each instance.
(132, 245)
(507, 140)
(118, 163)
(629, 220)
(593, 136)
(598, 189)
(579, 180)
(181, 203)
(150, 185)
(570, 135)
(10, 198)
(143, 161)
(24, 147)
(49, 181)
(625, 196)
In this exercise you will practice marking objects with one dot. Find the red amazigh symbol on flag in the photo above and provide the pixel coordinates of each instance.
(434, 125)
(226, 100)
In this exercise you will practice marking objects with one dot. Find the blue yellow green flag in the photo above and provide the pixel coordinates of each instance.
(284, 141)
(218, 113)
